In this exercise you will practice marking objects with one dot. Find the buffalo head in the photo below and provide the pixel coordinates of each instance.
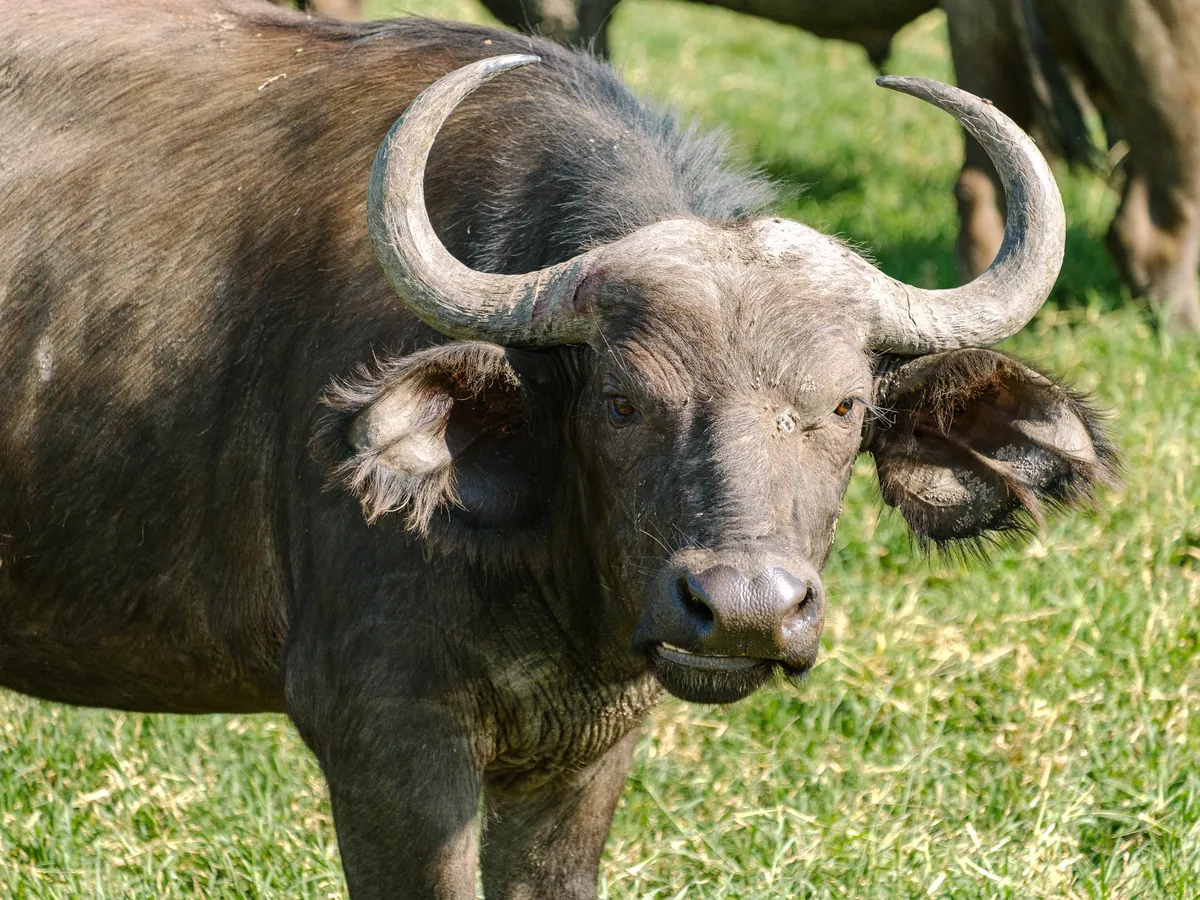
(687, 402)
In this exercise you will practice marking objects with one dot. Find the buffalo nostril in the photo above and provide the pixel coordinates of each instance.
(694, 601)
(806, 607)
(810, 597)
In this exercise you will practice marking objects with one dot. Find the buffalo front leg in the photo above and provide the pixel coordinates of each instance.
(544, 842)
(576, 23)
(404, 787)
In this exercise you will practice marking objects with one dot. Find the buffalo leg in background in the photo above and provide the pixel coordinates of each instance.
(338, 9)
(986, 50)
(1156, 246)
(576, 23)
(1141, 63)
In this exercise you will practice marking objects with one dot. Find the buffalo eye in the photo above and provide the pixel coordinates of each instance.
(843, 408)
(621, 412)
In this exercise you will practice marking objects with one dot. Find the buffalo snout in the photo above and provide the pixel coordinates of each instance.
(760, 616)
(715, 629)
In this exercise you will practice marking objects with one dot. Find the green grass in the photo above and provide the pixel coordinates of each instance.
(1028, 727)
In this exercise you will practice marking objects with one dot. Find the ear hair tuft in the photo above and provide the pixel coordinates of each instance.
(429, 382)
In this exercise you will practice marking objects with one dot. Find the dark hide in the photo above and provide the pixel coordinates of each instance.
(189, 306)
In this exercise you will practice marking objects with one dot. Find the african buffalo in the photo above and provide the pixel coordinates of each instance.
(454, 456)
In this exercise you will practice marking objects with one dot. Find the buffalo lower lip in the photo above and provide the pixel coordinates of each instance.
(711, 662)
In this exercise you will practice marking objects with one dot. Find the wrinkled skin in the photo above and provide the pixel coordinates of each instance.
(1138, 61)
(584, 23)
(211, 388)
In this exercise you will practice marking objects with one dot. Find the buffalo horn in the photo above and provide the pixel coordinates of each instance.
(1003, 299)
(530, 310)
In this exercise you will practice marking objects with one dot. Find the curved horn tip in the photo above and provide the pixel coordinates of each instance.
(922, 88)
(1003, 299)
(510, 61)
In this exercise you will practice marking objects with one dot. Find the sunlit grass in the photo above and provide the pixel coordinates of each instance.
(1026, 727)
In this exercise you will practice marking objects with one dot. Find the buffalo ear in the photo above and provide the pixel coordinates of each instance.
(972, 441)
(451, 426)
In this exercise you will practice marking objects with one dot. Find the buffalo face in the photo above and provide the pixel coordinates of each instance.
(717, 424)
(699, 451)
(671, 419)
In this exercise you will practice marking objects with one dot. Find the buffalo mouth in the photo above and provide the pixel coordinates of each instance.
(712, 677)
(713, 662)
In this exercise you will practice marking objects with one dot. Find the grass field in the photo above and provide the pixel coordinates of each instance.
(1025, 727)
